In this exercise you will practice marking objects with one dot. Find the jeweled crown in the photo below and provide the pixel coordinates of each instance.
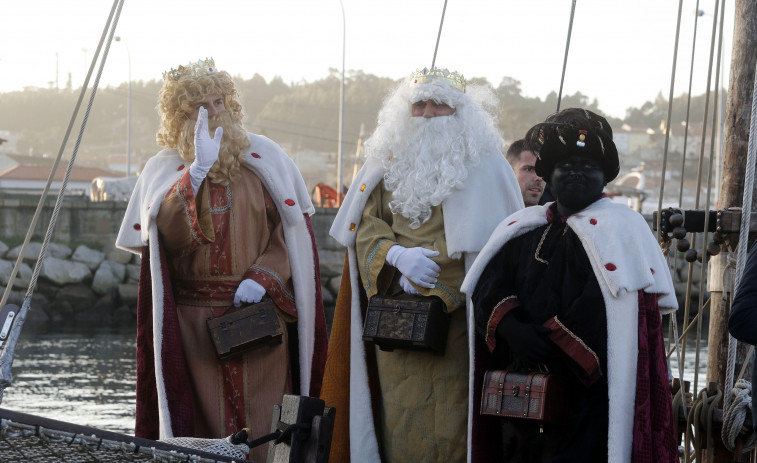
(451, 78)
(195, 69)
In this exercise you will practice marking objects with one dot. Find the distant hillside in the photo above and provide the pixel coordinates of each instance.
(298, 115)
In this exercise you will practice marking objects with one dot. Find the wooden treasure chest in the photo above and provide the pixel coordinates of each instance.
(525, 395)
(407, 322)
(249, 327)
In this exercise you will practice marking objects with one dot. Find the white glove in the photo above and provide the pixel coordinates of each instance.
(415, 264)
(206, 150)
(408, 287)
(248, 292)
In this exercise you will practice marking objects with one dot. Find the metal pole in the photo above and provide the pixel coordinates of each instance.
(128, 120)
(341, 115)
(567, 47)
(438, 36)
(128, 111)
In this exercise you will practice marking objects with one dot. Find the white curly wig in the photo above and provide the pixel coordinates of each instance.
(425, 159)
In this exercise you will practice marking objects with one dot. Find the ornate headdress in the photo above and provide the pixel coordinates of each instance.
(426, 76)
(194, 69)
(574, 132)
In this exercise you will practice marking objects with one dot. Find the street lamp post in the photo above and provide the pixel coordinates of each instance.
(128, 112)
(341, 115)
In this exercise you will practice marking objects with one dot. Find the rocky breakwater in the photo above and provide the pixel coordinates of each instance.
(75, 286)
(99, 285)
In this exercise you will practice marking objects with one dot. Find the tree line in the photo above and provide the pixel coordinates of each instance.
(298, 115)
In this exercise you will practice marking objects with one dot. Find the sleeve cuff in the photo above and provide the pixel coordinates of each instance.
(374, 265)
(585, 361)
(500, 310)
(274, 286)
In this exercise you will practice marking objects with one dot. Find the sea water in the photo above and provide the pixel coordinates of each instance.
(85, 376)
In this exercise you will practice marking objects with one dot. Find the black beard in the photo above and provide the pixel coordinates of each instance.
(577, 200)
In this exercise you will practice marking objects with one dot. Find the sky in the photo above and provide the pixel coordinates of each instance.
(621, 53)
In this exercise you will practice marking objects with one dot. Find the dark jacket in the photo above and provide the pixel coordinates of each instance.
(743, 320)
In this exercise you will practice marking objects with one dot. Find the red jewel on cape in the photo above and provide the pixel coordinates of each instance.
(651, 270)
(593, 221)
(611, 267)
(289, 202)
(511, 223)
(256, 155)
(137, 226)
(181, 167)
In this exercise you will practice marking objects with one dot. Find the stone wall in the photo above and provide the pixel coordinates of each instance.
(79, 219)
(84, 277)
(331, 255)
(81, 285)
(85, 234)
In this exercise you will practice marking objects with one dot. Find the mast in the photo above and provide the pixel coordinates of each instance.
(735, 142)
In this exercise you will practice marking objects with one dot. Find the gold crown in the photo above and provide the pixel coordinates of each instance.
(200, 68)
(426, 76)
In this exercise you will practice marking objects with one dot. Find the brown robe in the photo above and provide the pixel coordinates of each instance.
(213, 242)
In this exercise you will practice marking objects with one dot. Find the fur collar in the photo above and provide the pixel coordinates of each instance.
(607, 231)
(491, 192)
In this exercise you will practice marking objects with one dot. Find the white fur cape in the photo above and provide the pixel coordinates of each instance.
(491, 192)
(284, 183)
(626, 259)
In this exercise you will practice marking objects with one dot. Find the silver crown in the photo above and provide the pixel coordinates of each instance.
(451, 78)
(196, 69)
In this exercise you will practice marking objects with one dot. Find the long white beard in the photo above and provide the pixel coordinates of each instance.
(426, 166)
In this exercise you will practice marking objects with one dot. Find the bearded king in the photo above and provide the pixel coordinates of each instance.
(433, 187)
(221, 219)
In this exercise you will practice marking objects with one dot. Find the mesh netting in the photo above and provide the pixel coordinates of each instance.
(218, 446)
(22, 443)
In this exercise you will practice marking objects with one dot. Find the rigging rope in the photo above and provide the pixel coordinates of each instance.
(688, 106)
(698, 189)
(6, 355)
(734, 414)
(662, 190)
(687, 306)
(439, 35)
(567, 47)
(54, 169)
(708, 196)
(748, 189)
(667, 128)
(700, 416)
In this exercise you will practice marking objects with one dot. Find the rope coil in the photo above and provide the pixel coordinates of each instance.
(699, 422)
(739, 412)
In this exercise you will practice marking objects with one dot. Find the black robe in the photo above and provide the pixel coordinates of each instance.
(550, 274)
